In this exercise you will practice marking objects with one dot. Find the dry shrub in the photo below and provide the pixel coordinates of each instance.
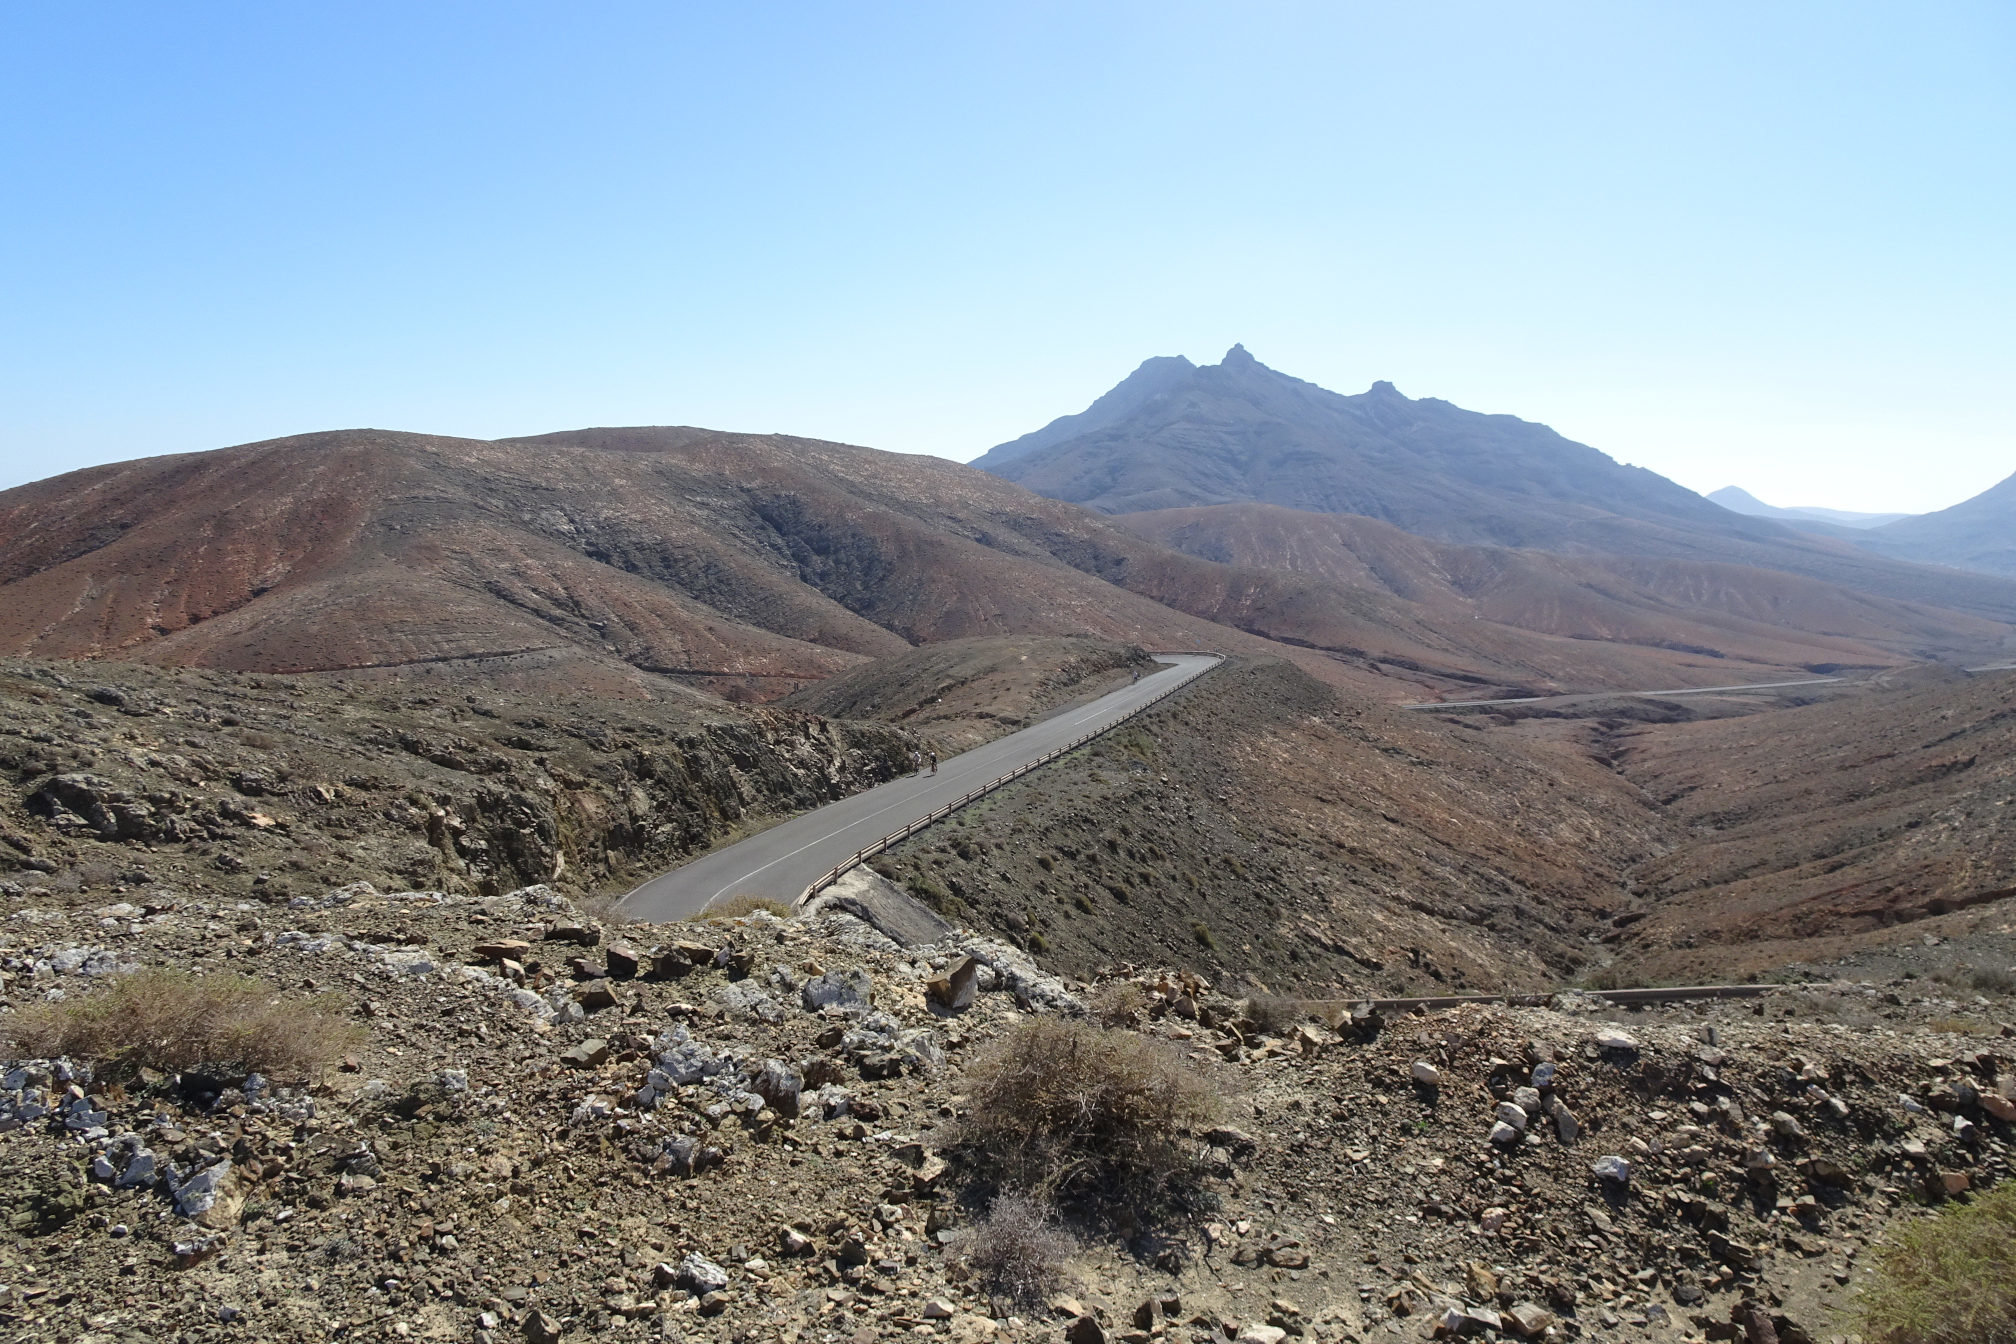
(1274, 1014)
(171, 1020)
(1120, 1003)
(735, 907)
(1994, 980)
(1950, 1279)
(1018, 1250)
(1074, 1112)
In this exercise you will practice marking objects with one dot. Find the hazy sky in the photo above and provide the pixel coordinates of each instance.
(1765, 244)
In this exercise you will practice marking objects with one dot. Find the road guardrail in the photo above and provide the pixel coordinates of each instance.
(867, 852)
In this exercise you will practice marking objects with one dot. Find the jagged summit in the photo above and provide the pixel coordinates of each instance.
(1174, 435)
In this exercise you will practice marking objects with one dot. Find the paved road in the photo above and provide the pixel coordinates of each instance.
(1610, 695)
(781, 862)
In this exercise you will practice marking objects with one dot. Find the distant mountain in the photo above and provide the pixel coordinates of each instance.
(1180, 436)
(1137, 389)
(1977, 533)
(1738, 500)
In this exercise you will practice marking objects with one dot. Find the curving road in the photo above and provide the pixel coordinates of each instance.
(781, 862)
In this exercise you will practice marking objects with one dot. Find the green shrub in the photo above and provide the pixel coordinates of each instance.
(1947, 1279)
(177, 1022)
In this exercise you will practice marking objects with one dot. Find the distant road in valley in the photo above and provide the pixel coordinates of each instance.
(1614, 695)
(782, 862)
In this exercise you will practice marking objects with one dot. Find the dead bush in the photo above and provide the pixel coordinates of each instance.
(1994, 980)
(735, 907)
(1018, 1250)
(1120, 1003)
(1949, 1279)
(1076, 1113)
(177, 1022)
(1275, 1014)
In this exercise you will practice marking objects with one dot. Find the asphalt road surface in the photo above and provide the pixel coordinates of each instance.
(781, 862)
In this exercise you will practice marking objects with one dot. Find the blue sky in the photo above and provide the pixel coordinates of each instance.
(1767, 244)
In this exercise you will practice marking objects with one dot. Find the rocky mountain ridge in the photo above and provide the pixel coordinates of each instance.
(1240, 432)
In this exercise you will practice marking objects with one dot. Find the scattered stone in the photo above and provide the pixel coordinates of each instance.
(780, 1086)
(592, 1053)
(1612, 1169)
(956, 989)
(1426, 1074)
(699, 1276)
(848, 990)
(1085, 1330)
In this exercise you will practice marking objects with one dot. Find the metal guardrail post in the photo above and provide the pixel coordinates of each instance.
(834, 874)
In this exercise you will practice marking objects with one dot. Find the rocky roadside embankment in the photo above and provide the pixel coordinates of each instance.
(122, 777)
(746, 1130)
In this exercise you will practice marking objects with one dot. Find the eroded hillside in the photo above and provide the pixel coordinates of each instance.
(1812, 831)
(1260, 826)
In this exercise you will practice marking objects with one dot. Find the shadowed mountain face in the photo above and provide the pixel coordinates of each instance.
(1239, 431)
(1978, 534)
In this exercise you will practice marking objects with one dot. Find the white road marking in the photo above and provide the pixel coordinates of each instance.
(989, 767)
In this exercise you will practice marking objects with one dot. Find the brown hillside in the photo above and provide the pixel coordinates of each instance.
(1260, 827)
(963, 692)
(1808, 830)
(1718, 611)
(751, 565)
(719, 558)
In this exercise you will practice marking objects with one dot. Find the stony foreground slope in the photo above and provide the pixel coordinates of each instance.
(748, 1131)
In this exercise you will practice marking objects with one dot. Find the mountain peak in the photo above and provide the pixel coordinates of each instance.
(1150, 380)
(1237, 358)
(1382, 388)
